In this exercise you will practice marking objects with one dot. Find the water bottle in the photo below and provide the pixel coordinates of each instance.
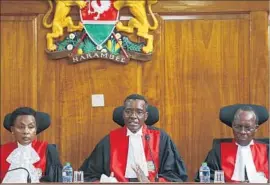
(204, 173)
(67, 173)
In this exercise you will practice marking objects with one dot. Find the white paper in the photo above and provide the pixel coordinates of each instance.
(104, 178)
(97, 100)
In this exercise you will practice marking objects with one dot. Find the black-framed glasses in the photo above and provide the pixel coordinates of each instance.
(239, 128)
(137, 112)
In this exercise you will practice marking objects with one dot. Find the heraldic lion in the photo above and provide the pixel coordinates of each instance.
(138, 9)
(61, 20)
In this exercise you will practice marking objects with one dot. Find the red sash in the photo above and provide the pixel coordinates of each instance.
(228, 152)
(119, 151)
(5, 150)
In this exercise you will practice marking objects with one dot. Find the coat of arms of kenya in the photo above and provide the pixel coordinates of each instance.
(100, 33)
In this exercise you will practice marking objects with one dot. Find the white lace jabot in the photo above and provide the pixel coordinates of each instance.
(23, 156)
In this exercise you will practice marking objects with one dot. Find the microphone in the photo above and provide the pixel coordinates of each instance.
(21, 168)
(147, 138)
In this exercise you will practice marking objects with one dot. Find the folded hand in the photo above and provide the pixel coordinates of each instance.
(140, 175)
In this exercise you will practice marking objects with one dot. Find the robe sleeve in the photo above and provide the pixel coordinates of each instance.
(171, 167)
(213, 162)
(98, 162)
(53, 172)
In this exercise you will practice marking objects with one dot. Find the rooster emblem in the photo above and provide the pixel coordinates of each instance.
(99, 18)
(98, 7)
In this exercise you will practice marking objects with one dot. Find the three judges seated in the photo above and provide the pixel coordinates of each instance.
(137, 151)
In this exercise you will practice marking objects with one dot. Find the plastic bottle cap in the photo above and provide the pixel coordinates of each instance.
(68, 163)
(204, 164)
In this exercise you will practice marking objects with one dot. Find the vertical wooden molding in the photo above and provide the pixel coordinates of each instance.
(162, 73)
(47, 85)
(18, 65)
(269, 54)
(259, 64)
(269, 57)
(139, 78)
(35, 61)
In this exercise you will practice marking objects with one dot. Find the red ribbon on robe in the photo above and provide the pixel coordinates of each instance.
(119, 151)
(228, 152)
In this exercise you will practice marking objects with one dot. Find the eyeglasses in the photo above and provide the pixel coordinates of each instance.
(130, 112)
(239, 128)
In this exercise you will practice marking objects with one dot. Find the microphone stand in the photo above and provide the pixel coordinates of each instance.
(21, 168)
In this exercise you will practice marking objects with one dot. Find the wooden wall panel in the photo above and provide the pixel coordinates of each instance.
(153, 73)
(18, 65)
(205, 69)
(48, 87)
(80, 122)
(212, 54)
(259, 67)
(163, 6)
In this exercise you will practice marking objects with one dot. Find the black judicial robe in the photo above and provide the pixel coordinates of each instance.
(223, 156)
(110, 155)
(53, 172)
(49, 161)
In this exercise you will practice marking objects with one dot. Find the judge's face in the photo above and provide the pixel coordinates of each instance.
(24, 129)
(134, 114)
(244, 127)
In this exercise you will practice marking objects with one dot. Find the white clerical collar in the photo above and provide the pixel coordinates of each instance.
(138, 133)
(250, 143)
(244, 160)
(136, 155)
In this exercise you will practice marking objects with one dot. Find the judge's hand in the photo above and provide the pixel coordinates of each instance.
(112, 174)
(140, 175)
(112, 178)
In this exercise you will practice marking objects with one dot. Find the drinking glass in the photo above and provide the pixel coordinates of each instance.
(219, 176)
(78, 176)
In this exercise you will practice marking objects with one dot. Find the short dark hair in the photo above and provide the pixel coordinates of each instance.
(246, 109)
(21, 111)
(136, 97)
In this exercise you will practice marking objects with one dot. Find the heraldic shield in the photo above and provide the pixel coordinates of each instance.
(99, 18)
(100, 34)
